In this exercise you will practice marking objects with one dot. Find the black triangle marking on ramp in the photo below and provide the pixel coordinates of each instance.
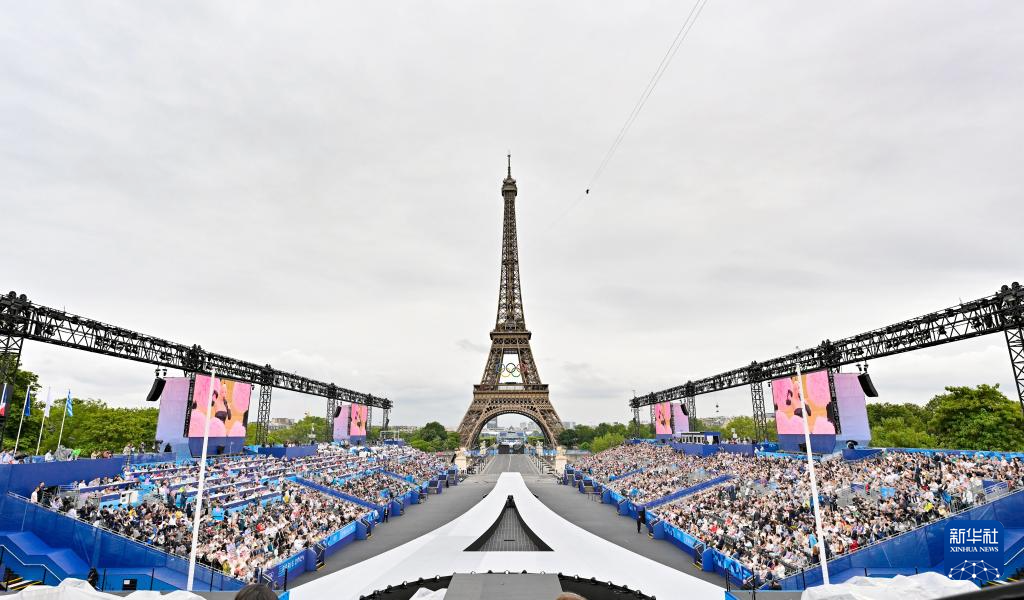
(509, 533)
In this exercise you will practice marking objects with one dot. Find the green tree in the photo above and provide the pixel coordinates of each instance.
(568, 438)
(895, 432)
(979, 418)
(432, 431)
(606, 441)
(744, 427)
(584, 434)
(22, 380)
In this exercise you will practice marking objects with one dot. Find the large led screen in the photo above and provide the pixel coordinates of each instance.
(853, 410)
(228, 413)
(357, 422)
(662, 419)
(170, 424)
(788, 413)
(680, 420)
(341, 424)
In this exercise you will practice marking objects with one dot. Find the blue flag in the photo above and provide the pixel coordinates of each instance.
(28, 402)
(67, 407)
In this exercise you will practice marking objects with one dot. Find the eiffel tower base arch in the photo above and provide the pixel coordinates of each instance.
(490, 401)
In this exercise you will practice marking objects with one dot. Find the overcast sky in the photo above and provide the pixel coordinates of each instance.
(316, 186)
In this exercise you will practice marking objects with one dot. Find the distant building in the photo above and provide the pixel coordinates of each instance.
(569, 424)
(280, 423)
(402, 428)
(492, 424)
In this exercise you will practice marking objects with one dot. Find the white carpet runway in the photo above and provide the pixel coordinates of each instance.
(574, 552)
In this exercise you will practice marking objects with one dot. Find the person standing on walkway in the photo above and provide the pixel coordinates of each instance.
(387, 509)
(641, 518)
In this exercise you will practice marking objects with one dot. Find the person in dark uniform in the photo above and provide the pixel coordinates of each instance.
(641, 518)
(387, 509)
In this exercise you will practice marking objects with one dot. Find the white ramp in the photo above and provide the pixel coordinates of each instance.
(575, 551)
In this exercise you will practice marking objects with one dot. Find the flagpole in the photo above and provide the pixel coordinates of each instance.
(822, 544)
(28, 398)
(202, 484)
(46, 410)
(64, 418)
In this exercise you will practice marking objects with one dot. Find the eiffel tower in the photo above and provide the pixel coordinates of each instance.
(510, 383)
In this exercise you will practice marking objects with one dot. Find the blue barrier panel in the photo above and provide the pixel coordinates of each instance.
(696, 449)
(289, 568)
(289, 452)
(333, 492)
(339, 539)
(232, 445)
(984, 453)
(23, 478)
(693, 489)
(821, 443)
(744, 449)
(151, 458)
(625, 475)
(713, 560)
(851, 454)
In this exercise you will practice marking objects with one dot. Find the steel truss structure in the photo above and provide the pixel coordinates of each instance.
(22, 320)
(510, 337)
(1000, 312)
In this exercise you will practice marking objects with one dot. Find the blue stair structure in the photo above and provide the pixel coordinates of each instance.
(30, 549)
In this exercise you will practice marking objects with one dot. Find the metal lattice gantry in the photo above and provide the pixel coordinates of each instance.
(1000, 312)
(1015, 343)
(22, 320)
(10, 358)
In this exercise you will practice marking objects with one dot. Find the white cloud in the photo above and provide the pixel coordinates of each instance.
(318, 187)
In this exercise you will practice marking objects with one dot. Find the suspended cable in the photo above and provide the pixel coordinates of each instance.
(666, 60)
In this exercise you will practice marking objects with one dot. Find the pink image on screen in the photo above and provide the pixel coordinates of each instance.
(357, 424)
(228, 409)
(662, 425)
(788, 419)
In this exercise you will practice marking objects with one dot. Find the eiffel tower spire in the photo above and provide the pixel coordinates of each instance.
(510, 383)
(510, 294)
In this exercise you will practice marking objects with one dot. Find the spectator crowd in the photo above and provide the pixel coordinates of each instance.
(763, 517)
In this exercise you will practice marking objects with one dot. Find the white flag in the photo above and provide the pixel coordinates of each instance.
(49, 403)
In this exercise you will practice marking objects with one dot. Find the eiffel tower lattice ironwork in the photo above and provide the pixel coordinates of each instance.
(510, 383)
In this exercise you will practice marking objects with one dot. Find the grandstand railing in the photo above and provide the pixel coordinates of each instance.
(847, 555)
(97, 544)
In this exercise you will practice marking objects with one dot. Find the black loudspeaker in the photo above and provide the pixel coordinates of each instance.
(685, 410)
(803, 447)
(220, 449)
(867, 385)
(156, 390)
(337, 411)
